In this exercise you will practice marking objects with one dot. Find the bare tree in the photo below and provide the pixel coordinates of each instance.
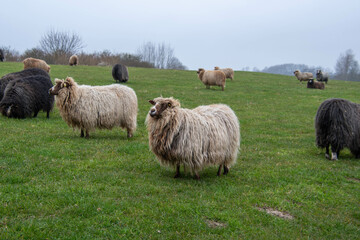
(147, 52)
(60, 45)
(160, 55)
(347, 68)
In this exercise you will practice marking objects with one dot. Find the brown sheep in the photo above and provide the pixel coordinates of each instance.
(318, 85)
(229, 72)
(36, 63)
(74, 60)
(212, 78)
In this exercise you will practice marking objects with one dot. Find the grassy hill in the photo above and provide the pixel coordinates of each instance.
(56, 185)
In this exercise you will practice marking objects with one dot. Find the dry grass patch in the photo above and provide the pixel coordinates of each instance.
(354, 179)
(215, 224)
(275, 212)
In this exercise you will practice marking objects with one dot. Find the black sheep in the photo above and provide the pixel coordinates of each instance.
(337, 123)
(322, 77)
(18, 75)
(120, 73)
(2, 55)
(25, 96)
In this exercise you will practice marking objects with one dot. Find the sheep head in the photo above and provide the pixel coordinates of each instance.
(61, 84)
(162, 106)
(216, 68)
(10, 110)
(297, 72)
(200, 70)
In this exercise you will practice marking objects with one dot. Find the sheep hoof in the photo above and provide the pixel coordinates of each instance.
(334, 156)
(219, 170)
(327, 156)
(129, 135)
(197, 177)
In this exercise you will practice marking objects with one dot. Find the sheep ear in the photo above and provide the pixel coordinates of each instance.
(69, 81)
(152, 102)
(58, 80)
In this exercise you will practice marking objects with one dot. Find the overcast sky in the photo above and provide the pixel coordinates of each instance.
(226, 33)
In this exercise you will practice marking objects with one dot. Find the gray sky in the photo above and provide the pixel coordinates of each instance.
(226, 33)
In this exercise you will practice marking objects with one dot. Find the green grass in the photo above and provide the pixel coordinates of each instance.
(56, 185)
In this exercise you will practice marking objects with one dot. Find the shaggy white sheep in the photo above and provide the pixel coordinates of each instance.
(195, 138)
(305, 76)
(90, 107)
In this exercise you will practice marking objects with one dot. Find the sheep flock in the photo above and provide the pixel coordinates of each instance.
(206, 135)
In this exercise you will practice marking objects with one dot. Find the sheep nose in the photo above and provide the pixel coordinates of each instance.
(152, 112)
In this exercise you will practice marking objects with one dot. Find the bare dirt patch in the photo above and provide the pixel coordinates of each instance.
(275, 212)
(354, 179)
(215, 224)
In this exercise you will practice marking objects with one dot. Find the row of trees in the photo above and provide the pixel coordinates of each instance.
(56, 47)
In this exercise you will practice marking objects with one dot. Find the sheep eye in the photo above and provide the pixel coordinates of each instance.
(169, 104)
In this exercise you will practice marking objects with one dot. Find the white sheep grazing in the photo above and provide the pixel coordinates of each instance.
(73, 60)
(195, 138)
(212, 78)
(90, 107)
(229, 72)
(305, 76)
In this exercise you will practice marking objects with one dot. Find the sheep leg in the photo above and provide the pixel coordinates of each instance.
(82, 133)
(87, 134)
(197, 177)
(327, 155)
(36, 113)
(222, 88)
(129, 133)
(334, 155)
(226, 170)
(219, 170)
(47, 114)
(177, 174)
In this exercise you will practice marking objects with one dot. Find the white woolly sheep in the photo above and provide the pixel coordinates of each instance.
(195, 138)
(36, 63)
(73, 60)
(305, 76)
(90, 107)
(212, 78)
(229, 72)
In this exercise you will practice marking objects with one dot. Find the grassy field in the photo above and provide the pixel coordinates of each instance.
(56, 185)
